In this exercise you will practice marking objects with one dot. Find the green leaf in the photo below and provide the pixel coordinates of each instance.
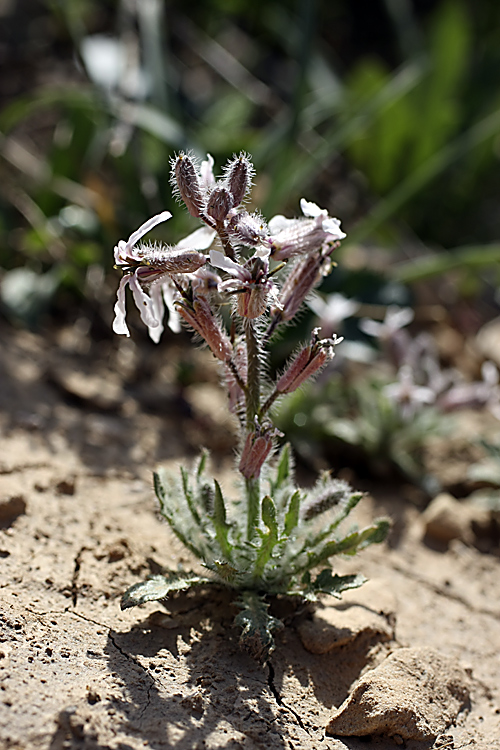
(257, 626)
(172, 515)
(202, 463)
(350, 544)
(220, 524)
(292, 514)
(283, 471)
(326, 583)
(158, 587)
(269, 540)
(189, 496)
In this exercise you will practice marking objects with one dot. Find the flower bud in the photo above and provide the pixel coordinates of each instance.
(219, 204)
(300, 281)
(249, 229)
(198, 314)
(257, 447)
(188, 184)
(307, 362)
(239, 173)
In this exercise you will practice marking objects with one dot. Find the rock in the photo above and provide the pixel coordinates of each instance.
(415, 694)
(368, 611)
(11, 507)
(446, 518)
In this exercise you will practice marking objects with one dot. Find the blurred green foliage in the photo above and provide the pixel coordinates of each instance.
(386, 113)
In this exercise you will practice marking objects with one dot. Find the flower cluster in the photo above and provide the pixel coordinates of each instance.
(159, 275)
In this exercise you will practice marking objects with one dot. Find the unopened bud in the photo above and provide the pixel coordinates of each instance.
(257, 447)
(219, 204)
(189, 186)
(253, 303)
(249, 229)
(239, 173)
(306, 364)
(198, 315)
(300, 281)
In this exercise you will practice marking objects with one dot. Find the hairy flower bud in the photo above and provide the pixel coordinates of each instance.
(198, 314)
(239, 173)
(257, 447)
(307, 362)
(301, 280)
(219, 204)
(249, 229)
(189, 185)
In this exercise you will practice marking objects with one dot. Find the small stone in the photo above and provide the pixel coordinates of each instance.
(415, 694)
(368, 611)
(446, 518)
(10, 508)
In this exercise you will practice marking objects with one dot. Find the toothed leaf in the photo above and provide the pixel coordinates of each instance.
(326, 583)
(270, 539)
(158, 587)
(257, 626)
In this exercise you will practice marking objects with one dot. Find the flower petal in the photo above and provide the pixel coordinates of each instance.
(201, 239)
(146, 227)
(207, 172)
(219, 260)
(119, 324)
(144, 303)
(311, 209)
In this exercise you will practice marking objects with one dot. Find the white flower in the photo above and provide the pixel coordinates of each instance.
(395, 318)
(317, 231)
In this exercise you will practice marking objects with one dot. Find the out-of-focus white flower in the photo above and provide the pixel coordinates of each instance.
(410, 396)
(395, 319)
(332, 310)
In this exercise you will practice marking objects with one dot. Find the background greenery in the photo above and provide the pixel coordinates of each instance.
(387, 112)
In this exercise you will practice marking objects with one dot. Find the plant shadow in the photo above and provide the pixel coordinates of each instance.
(197, 688)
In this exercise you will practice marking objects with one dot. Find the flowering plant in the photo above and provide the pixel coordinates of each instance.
(275, 538)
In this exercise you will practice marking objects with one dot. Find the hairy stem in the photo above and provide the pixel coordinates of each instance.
(253, 377)
(252, 396)
(268, 403)
(253, 506)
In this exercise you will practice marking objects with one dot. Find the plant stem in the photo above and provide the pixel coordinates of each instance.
(252, 397)
(253, 506)
(253, 377)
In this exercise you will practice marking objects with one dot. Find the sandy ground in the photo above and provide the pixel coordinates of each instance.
(79, 525)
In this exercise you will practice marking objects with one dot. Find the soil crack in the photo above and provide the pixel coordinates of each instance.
(76, 572)
(279, 699)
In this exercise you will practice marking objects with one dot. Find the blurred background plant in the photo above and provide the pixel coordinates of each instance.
(386, 113)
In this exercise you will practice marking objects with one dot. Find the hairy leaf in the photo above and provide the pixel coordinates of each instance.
(220, 524)
(334, 585)
(257, 626)
(292, 514)
(158, 587)
(270, 539)
(181, 530)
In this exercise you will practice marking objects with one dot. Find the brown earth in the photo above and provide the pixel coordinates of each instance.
(415, 653)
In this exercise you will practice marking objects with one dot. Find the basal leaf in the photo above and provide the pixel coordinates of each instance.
(158, 587)
(257, 626)
(334, 585)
